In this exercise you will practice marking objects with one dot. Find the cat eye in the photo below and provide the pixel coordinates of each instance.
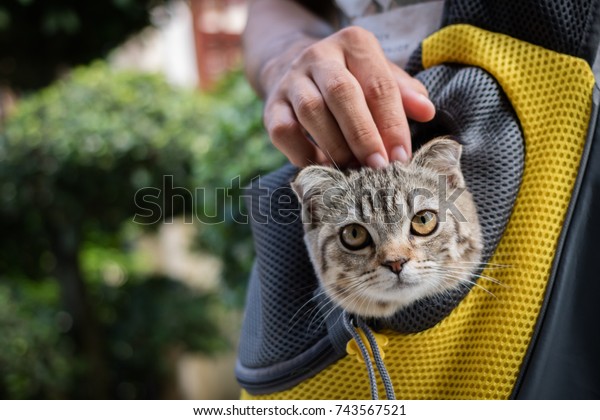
(424, 222)
(355, 237)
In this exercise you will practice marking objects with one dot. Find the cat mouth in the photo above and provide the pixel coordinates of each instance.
(400, 283)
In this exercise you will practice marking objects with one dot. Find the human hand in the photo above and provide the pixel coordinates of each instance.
(350, 99)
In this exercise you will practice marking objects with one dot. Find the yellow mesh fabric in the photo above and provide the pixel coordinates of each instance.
(476, 352)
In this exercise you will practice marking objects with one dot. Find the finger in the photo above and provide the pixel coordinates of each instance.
(407, 80)
(286, 134)
(321, 159)
(314, 116)
(345, 100)
(367, 62)
(415, 97)
(417, 106)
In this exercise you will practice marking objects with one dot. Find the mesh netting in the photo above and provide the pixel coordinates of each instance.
(477, 351)
(471, 107)
(282, 319)
(562, 26)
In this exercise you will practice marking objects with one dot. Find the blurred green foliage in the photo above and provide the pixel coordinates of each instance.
(72, 158)
(34, 357)
(239, 151)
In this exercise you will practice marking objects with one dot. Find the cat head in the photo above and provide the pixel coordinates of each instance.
(380, 239)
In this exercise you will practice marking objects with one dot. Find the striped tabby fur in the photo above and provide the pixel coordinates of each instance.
(398, 266)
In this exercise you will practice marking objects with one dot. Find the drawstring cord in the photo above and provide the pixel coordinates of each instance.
(349, 323)
(365, 355)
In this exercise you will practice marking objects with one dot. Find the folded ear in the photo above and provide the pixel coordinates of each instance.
(310, 185)
(314, 180)
(441, 155)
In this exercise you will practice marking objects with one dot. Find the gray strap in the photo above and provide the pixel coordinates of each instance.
(385, 376)
(365, 355)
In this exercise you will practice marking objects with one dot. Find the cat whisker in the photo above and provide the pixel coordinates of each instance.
(481, 287)
(305, 296)
(338, 318)
(437, 286)
(461, 271)
(463, 276)
(466, 263)
(474, 283)
(313, 314)
(337, 167)
(488, 266)
(331, 307)
(327, 315)
(331, 158)
(491, 279)
(358, 276)
(302, 298)
(482, 262)
(325, 308)
(334, 306)
(315, 297)
(458, 271)
(351, 290)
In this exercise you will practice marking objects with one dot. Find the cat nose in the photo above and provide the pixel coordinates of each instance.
(396, 265)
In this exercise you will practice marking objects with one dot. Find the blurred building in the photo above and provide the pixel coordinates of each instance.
(192, 42)
(217, 26)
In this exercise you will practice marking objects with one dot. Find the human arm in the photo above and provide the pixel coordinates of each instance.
(337, 86)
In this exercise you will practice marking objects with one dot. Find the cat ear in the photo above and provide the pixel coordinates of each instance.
(311, 186)
(442, 155)
(314, 180)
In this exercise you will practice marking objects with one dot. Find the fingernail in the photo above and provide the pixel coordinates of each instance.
(376, 161)
(399, 153)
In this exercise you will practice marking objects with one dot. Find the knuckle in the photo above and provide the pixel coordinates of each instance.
(279, 131)
(362, 136)
(340, 87)
(309, 105)
(380, 87)
(355, 34)
(311, 53)
(392, 124)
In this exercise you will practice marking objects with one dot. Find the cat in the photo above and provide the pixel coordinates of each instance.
(380, 239)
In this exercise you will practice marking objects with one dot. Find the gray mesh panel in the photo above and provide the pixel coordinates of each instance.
(277, 327)
(468, 107)
(566, 26)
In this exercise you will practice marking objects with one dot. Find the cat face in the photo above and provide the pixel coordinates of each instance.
(381, 239)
